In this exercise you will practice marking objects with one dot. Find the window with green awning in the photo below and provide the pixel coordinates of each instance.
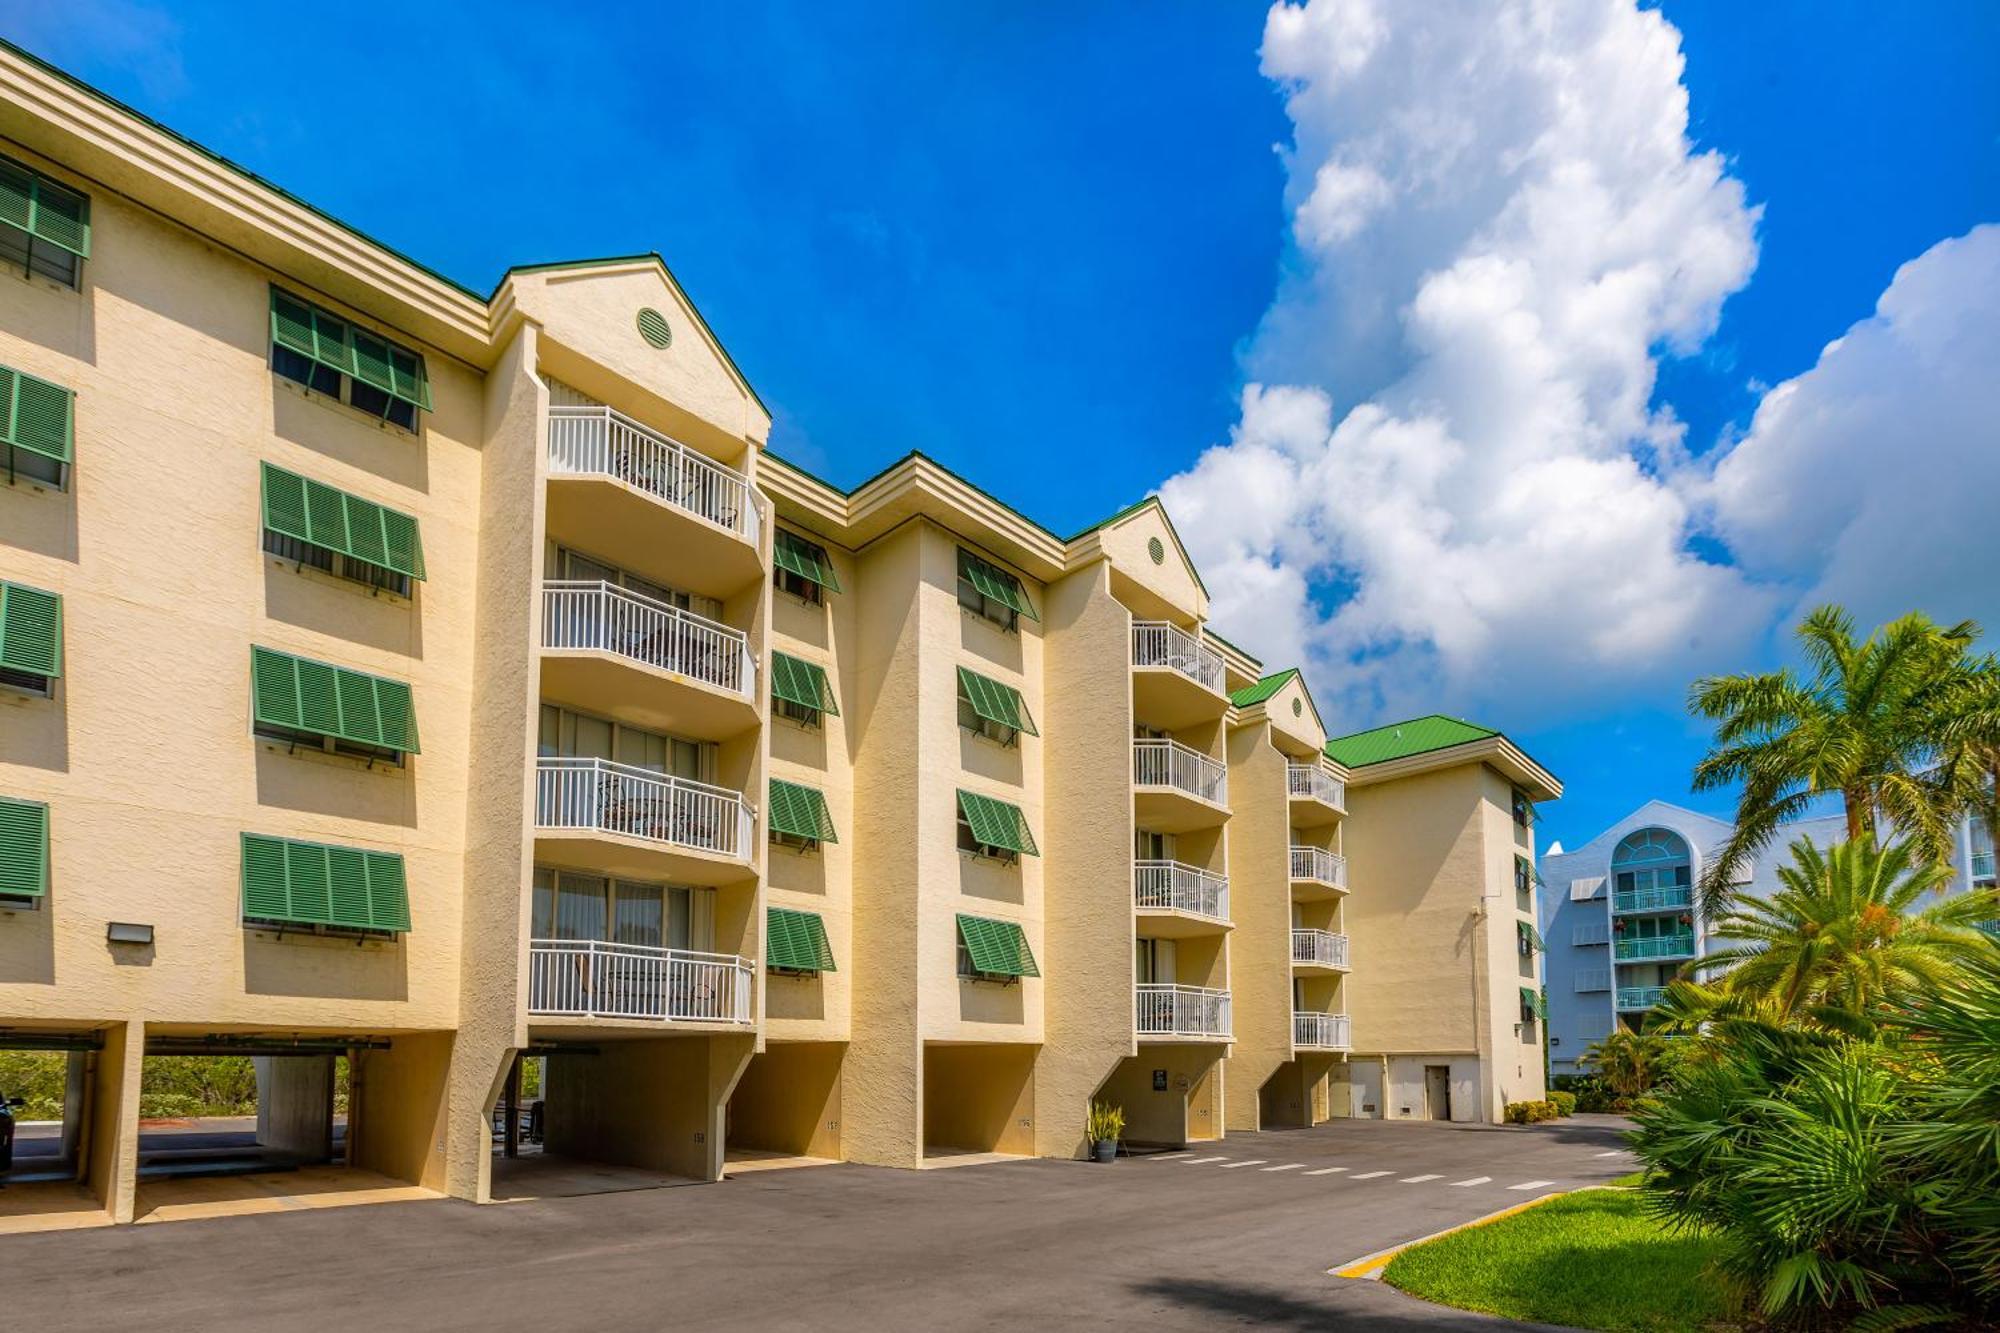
(289, 882)
(334, 356)
(1534, 1004)
(796, 942)
(989, 590)
(804, 686)
(37, 418)
(24, 848)
(297, 699)
(798, 813)
(989, 826)
(805, 562)
(986, 701)
(1530, 938)
(333, 521)
(30, 635)
(36, 208)
(991, 948)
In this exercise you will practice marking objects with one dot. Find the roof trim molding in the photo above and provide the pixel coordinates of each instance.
(1495, 751)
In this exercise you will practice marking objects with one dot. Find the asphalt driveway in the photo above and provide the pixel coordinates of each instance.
(1243, 1233)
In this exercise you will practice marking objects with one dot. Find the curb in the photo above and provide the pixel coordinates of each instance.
(1368, 1268)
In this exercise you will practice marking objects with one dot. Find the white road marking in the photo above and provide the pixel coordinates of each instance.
(1169, 1156)
(1288, 1166)
(1531, 1184)
(1418, 1180)
(1476, 1180)
(1370, 1175)
(1615, 1152)
(1326, 1171)
(1254, 1161)
(1199, 1160)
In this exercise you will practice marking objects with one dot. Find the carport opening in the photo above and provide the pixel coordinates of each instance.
(576, 1118)
(44, 1090)
(233, 1110)
(786, 1106)
(978, 1099)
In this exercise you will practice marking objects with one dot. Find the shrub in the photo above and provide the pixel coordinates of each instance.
(1564, 1102)
(1104, 1122)
(1529, 1113)
(205, 1084)
(167, 1106)
(37, 1077)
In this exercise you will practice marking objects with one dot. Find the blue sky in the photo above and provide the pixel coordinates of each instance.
(1046, 245)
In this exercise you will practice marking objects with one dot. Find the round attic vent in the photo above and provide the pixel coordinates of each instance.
(1298, 709)
(1157, 551)
(653, 327)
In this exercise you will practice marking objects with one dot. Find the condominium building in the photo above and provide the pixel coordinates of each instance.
(1623, 918)
(401, 684)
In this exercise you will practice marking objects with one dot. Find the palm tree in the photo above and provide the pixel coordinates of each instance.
(1843, 935)
(1968, 732)
(1866, 727)
(1631, 1064)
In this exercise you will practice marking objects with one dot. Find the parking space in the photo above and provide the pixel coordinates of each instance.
(1154, 1242)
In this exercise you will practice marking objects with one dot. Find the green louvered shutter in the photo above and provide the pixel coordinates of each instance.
(388, 891)
(324, 337)
(800, 811)
(995, 583)
(796, 941)
(30, 630)
(265, 895)
(24, 848)
(996, 702)
(31, 202)
(315, 513)
(411, 382)
(998, 948)
(808, 560)
(371, 361)
(319, 884)
(291, 324)
(36, 415)
(996, 823)
(300, 694)
(802, 683)
(1533, 1004)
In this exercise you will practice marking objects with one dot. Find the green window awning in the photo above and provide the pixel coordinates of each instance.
(996, 823)
(800, 811)
(326, 339)
(359, 529)
(31, 202)
(809, 560)
(24, 848)
(30, 630)
(803, 683)
(998, 948)
(36, 415)
(1531, 939)
(995, 583)
(317, 884)
(995, 702)
(303, 695)
(1534, 1002)
(796, 941)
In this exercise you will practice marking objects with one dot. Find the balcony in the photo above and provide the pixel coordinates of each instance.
(1318, 873)
(1322, 1032)
(1673, 898)
(1640, 997)
(616, 479)
(1181, 1011)
(1178, 788)
(1982, 867)
(655, 665)
(1657, 946)
(1317, 797)
(598, 979)
(613, 819)
(1177, 679)
(1177, 899)
(1319, 948)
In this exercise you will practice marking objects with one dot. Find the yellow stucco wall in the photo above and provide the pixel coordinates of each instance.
(1260, 905)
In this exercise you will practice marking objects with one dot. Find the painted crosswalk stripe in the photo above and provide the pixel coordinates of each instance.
(1170, 1156)
(1197, 1161)
(1531, 1184)
(1476, 1180)
(1288, 1166)
(1254, 1161)
(1418, 1180)
(1370, 1175)
(1326, 1171)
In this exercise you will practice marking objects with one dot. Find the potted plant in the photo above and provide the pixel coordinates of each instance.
(1103, 1125)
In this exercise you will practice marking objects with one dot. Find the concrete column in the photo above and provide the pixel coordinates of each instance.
(295, 1104)
(111, 1151)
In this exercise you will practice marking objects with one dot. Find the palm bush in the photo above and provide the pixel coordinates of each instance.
(1632, 1064)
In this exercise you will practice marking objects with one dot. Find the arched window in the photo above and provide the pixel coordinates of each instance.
(1651, 859)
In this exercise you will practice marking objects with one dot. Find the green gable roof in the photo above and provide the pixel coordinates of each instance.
(1400, 740)
(1263, 689)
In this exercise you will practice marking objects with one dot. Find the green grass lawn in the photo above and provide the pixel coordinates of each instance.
(1590, 1260)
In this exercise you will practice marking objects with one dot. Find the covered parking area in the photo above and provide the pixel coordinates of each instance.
(69, 1078)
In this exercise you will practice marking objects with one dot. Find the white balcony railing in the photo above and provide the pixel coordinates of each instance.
(1319, 948)
(1982, 866)
(604, 616)
(1164, 763)
(1181, 1011)
(1155, 643)
(618, 798)
(601, 441)
(1316, 784)
(1326, 1032)
(1320, 866)
(597, 979)
(1172, 886)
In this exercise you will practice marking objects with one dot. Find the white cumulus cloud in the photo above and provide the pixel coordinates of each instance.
(1447, 486)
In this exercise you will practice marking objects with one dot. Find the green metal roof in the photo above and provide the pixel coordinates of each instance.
(1263, 689)
(1400, 740)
